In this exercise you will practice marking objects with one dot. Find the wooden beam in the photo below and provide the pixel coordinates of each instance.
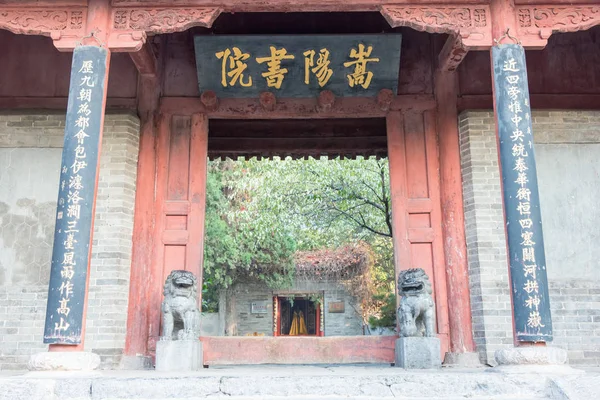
(284, 5)
(145, 60)
(326, 145)
(297, 138)
(452, 54)
(298, 108)
(274, 5)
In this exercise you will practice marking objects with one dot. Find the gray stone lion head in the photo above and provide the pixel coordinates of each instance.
(413, 282)
(181, 283)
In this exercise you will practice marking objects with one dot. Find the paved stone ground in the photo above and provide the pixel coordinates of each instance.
(300, 382)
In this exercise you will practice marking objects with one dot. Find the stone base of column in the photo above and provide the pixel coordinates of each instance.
(179, 355)
(533, 359)
(135, 362)
(418, 353)
(64, 361)
(462, 360)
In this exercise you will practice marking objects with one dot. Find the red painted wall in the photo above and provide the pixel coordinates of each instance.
(30, 66)
(568, 65)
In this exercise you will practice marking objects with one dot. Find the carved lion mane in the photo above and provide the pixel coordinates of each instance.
(416, 312)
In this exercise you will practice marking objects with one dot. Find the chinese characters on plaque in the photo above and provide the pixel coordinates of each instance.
(297, 66)
(521, 197)
(74, 216)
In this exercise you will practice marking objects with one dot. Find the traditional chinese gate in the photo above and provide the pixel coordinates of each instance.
(172, 174)
(181, 151)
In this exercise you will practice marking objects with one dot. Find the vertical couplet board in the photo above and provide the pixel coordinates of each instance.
(76, 197)
(181, 153)
(531, 303)
(415, 190)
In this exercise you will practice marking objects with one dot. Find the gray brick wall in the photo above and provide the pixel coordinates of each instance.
(30, 152)
(567, 152)
(486, 245)
(347, 323)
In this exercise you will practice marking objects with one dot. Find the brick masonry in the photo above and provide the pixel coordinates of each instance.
(27, 227)
(567, 150)
(240, 320)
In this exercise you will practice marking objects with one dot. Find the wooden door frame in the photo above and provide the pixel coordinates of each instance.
(393, 110)
(277, 317)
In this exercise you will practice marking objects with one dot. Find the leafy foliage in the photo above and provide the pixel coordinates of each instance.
(241, 241)
(260, 212)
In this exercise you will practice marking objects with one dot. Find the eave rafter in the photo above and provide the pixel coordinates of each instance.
(537, 23)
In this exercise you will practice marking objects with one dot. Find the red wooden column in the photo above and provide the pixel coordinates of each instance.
(135, 355)
(179, 206)
(415, 195)
(398, 190)
(462, 346)
(198, 168)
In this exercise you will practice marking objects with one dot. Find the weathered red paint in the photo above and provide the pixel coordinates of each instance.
(562, 80)
(416, 215)
(136, 341)
(298, 350)
(179, 203)
(297, 108)
(145, 60)
(197, 197)
(453, 221)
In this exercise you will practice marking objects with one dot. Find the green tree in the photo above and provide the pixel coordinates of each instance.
(240, 240)
(260, 212)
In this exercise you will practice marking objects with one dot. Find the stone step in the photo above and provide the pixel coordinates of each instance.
(289, 383)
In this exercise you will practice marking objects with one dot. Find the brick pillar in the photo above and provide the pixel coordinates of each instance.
(486, 241)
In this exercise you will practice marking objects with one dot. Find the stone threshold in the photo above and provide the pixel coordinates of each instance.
(302, 382)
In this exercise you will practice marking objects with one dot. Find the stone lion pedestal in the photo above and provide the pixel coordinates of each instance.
(179, 355)
(418, 353)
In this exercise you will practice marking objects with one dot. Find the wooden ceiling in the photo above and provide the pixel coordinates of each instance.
(297, 138)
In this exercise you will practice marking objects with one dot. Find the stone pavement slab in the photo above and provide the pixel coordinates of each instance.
(271, 382)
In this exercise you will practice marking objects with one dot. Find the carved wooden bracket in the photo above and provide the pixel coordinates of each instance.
(469, 27)
(452, 54)
(129, 25)
(537, 23)
(471, 22)
(66, 26)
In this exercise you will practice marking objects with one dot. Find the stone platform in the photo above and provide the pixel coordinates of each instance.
(272, 382)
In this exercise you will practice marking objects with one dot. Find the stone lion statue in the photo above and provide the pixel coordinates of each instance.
(181, 317)
(416, 312)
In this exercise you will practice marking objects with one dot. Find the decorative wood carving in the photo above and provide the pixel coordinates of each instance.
(470, 22)
(40, 22)
(468, 25)
(63, 25)
(538, 23)
(131, 26)
(162, 20)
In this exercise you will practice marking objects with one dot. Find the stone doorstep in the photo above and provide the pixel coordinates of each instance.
(306, 382)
